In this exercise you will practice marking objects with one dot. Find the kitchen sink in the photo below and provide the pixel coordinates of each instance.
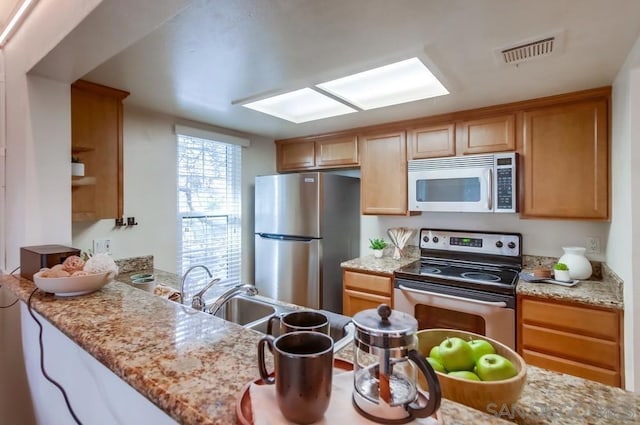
(246, 311)
(254, 311)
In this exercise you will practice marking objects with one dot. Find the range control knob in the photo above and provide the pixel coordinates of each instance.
(425, 239)
(435, 239)
(511, 245)
(499, 244)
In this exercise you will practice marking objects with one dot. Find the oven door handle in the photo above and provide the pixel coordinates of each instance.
(501, 304)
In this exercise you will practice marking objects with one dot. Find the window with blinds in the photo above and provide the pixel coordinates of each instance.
(209, 177)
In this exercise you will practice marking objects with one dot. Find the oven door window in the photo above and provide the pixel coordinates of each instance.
(462, 189)
(430, 317)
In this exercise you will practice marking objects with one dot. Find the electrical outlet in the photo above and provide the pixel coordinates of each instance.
(102, 246)
(593, 245)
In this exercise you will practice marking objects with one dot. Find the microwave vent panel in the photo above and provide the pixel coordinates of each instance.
(477, 161)
(528, 50)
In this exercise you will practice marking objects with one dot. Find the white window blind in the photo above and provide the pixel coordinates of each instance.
(209, 177)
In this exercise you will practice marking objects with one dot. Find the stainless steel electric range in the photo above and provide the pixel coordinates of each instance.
(464, 280)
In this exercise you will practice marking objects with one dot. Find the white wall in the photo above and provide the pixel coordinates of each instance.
(38, 141)
(150, 191)
(623, 256)
(540, 237)
(56, 37)
(37, 125)
(149, 151)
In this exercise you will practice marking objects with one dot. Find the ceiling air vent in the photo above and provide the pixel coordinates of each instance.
(525, 51)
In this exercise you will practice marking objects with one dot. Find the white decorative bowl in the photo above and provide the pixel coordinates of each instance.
(72, 285)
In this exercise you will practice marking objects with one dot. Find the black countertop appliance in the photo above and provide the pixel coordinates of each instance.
(33, 258)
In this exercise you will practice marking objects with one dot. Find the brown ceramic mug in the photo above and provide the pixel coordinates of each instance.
(303, 373)
(303, 320)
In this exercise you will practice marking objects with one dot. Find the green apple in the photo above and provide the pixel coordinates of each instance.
(436, 365)
(464, 374)
(494, 367)
(480, 347)
(435, 354)
(456, 354)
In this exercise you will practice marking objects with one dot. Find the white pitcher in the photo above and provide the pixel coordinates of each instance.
(579, 265)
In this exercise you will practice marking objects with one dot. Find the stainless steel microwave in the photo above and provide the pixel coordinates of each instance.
(471, 183)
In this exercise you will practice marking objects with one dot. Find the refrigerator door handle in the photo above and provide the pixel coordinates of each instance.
(285, 238)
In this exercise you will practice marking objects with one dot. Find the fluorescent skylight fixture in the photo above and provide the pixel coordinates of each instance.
(392, 84)
(14, 21)
(300, 106)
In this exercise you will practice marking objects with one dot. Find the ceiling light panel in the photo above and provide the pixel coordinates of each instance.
(300, 106)
(399, 82)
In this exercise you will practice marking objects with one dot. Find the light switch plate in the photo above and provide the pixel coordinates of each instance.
(102, 246)
(593, 245)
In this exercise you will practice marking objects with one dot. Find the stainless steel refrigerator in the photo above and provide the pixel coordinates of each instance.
(306, 224)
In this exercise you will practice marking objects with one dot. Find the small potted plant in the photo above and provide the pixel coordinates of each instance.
(561, 272)
(77, 167)
(377, 245)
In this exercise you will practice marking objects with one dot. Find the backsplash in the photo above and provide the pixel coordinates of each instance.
(409, 251)
(135, 264)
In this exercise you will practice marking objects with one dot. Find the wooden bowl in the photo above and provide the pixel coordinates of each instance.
(486, 396)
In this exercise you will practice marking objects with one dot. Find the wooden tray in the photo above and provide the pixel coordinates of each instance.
(243, 403)
(244, 414)
(529, 277)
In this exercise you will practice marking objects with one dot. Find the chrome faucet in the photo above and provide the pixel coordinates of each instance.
(230, 293)
(197, 303)
(184, 278)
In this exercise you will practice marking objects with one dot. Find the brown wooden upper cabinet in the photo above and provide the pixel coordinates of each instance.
(326, 152)
(337, 151)
(295, 156)
(489, 134)
(563, 142)
(431, 141)
(566, 160)
(96, 138)
(463, 137)
(383, 173)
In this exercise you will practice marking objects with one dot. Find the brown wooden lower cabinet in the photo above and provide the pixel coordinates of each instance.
(572, 338)
(363, 291)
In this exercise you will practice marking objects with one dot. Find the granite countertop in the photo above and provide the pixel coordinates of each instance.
(602, 293)
(385, 265)
(605, 293)
(190, 364)
(193, 365)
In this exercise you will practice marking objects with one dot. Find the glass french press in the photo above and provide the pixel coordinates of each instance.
(385, 368)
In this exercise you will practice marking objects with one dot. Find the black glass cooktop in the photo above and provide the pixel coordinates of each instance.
(477, 276)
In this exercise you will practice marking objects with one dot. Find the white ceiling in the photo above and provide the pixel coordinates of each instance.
(216, 52)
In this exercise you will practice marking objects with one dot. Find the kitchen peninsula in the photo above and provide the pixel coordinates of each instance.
(193, 366)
